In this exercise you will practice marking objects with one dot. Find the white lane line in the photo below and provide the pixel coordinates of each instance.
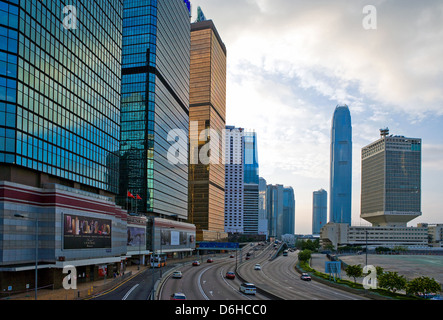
(199, 283)
(129, 292)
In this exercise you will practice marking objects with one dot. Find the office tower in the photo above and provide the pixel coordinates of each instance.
(207, 117)
(262, 215)
(60, 80)
(341, 166)
(251, 183)
(391, 180)
(155, 101)
(319, 210)
(234, 180)
(288, 211)
(280, 207)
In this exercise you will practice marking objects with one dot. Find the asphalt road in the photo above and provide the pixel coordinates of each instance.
(207, 282)
(280, 278)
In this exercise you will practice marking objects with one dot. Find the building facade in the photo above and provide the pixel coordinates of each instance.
(251, 183)
(319, 210)
(262, 209)
(234, 180)
(155, 107)
(207, 117)
(59, 138)
(341, 167)
(391, 180)
(280, 207)
(341, 234)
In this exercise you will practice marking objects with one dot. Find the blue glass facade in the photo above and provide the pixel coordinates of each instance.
(341, 166)
(251, 158)
(60, 90)
(288, 211)
(319, 210)
(155, 100)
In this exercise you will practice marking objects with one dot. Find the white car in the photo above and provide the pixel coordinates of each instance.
(257, 267)
(248, 288)
(177, 275)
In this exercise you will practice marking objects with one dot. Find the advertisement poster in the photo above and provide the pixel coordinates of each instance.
(86, 232)
(136, 237)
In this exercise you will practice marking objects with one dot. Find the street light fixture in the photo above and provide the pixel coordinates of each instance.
(36, 247)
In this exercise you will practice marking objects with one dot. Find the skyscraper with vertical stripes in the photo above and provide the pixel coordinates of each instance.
(341, 166)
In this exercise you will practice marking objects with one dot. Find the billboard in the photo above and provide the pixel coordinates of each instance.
(86, 232)
(136, 237)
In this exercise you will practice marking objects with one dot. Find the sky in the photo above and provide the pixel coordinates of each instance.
(291, 62)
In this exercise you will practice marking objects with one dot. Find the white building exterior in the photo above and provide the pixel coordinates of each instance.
(340, 234)
(234, 180)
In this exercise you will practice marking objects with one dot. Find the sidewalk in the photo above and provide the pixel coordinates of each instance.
(84, 290)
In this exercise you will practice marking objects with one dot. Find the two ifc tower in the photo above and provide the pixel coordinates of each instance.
(341, 166)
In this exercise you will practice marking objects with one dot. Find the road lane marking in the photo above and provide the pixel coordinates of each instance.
(129, 292)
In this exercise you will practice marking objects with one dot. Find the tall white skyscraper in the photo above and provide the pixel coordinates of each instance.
(234, 178)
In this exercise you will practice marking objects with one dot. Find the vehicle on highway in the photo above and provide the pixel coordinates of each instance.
(177, 275)
(257, 267)
(305, 277)
(285, 253)
(196, 263)
(248, 288)
(210, 260)
(247, 258)
(178, 296)
(230, 275)
(231, 256)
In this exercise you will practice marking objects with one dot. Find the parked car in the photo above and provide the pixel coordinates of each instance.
(305, 276)
(230, 275)
(178, 296)
(248, 288)
(177, 275)
(257, 267)
(196, 263)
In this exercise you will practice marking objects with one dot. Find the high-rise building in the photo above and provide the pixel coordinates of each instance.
(262, 209)
(391, 180)
(251, 183)
(155, 102)
(60, 80)
(319, 210)
(288, 211)
(280, 207)
(207, 116)
(234, 180)
(341, 167)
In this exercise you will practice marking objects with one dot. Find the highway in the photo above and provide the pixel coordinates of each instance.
(207, 282)
(277, 277)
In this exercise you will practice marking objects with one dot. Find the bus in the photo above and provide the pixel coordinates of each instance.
(158, 261)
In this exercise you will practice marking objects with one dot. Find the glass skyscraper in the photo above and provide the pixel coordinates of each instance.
(155, 101)
(60, 93)
(391, 180)
(319, 210)
(251, 181)
(341, 166)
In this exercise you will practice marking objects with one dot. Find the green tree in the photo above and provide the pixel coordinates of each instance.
(392, 281)
(423, 285)
(354, 271)
(304, 255)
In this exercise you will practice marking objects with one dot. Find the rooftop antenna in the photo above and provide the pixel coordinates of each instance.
(200, 15)
(384, 132)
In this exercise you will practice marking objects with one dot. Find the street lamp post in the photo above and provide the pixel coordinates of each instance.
(36, 248)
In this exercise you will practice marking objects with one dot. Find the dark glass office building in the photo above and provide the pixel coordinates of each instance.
(251, 181)
(319, 210)
(60, 92)
(341, 167)
(155, 101)
(60, 85)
